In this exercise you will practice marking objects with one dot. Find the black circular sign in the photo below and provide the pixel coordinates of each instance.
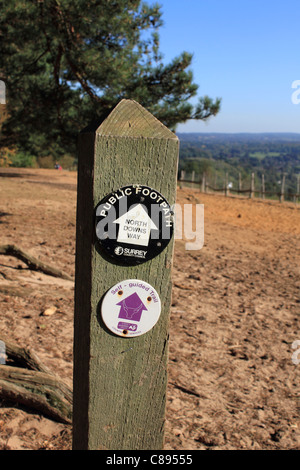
(134, 224)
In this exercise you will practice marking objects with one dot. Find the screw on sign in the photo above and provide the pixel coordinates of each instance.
(134, 224)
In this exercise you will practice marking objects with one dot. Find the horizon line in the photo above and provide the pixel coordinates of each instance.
(243, 132)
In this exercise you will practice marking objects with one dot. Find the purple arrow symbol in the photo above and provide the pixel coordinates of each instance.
(131, 308)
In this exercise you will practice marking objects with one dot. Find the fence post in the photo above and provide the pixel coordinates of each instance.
(281, 197)
(252, 188)
(240, 183)
(263, 185)
(193, 178)
(203, 183)
(182, 177)
(226, 185)
(120, 379)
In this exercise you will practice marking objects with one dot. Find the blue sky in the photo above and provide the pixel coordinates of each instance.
(245, 51)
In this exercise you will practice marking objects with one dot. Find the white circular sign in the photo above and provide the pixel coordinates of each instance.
(131, 308)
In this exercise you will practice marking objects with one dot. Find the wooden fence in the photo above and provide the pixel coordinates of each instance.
(202, 182)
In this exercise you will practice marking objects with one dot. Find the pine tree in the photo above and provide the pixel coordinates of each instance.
(66, 62)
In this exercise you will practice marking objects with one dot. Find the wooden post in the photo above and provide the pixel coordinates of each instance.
(120, 382)
(182, 177)
(263, 186)
(298, 188)
(193, 178)
(203, 183)
(207, 184)
(240, 183)
(226, 184)
(281, 198)
(252, 188)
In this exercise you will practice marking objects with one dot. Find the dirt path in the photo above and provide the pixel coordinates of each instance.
(235, 315)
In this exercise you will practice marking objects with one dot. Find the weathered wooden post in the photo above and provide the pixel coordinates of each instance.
(226, 185)
(240, 184)
(182, 178)
(252, 187)
(263, 185)
(281, 197)
(121, 340)
(203, 183)
(193, 178)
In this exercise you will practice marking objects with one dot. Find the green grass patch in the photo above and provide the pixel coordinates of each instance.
(262, 155)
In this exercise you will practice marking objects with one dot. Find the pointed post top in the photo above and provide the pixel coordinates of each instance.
(130, 119)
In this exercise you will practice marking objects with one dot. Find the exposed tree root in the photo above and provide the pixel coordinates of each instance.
(34, 385)
(32, 262)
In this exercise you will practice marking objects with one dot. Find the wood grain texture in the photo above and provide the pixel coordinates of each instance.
(120, 383)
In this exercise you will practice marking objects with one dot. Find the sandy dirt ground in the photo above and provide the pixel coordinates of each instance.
(233, 372)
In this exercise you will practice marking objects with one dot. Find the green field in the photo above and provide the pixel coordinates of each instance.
(262, 155)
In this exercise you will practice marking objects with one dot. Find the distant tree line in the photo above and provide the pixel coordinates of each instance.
(241, 156)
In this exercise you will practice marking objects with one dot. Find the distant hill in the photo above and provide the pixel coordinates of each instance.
(239, 137)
